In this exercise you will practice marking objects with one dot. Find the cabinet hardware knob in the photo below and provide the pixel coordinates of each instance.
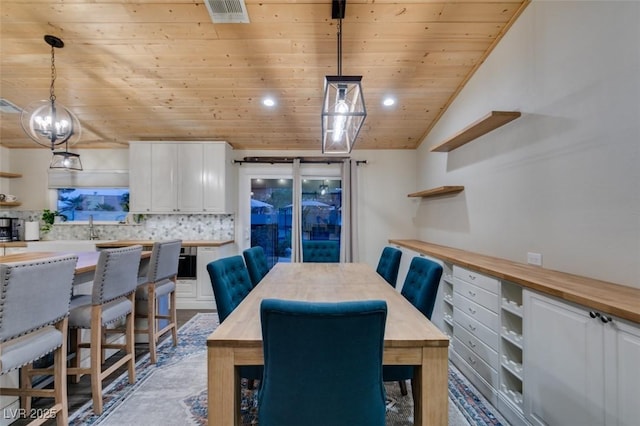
(472, 344)
(605, 319)
(473, 311)
(472, 294)
(594, 314)
(472, 327)
(471, 360)
(471, 277)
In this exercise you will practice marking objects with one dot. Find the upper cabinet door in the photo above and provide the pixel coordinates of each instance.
(139, 177)
(190, 177)
(164, 177)
(220, 189)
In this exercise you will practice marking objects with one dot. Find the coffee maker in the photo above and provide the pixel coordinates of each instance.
(11, 229)
(6, 230)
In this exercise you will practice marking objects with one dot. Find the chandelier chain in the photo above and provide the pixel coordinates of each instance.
(52, 95)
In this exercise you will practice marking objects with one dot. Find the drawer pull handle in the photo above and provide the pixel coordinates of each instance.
(472, 327)
(594, 314)
(472, 294)
(605, 319)
(473, 311)
(471, 277)
(471, 360)
(472, 344)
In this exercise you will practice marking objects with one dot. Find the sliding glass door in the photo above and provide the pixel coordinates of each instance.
(266, 207)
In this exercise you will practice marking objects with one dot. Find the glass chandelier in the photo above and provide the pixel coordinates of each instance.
(50, 124)
(343, 110)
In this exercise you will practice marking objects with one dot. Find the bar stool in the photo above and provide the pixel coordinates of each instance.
(112, 298)
(159, 280)
(34, 311)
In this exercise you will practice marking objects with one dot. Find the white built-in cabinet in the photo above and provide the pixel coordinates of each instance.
(581, 366)
(181, 177)
(198, 293)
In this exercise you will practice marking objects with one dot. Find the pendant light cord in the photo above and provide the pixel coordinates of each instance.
(339, 47)
(52, 94)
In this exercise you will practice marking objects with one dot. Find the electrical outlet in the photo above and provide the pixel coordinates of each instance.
(534, 259)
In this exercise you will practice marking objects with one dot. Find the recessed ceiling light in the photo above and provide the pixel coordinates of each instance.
(388, 101)
(268, 102)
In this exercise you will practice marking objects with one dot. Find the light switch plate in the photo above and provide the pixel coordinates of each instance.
(534, 259)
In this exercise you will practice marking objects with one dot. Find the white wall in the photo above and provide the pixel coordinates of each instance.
(564, 179)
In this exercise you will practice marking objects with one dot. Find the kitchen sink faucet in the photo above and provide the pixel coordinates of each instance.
(93, 235)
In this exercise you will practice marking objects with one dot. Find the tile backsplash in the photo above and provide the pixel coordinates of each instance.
(152, 227)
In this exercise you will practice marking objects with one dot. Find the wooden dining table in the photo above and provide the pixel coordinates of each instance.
(410, 339)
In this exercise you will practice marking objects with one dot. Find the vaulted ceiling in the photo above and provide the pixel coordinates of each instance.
(161, 70)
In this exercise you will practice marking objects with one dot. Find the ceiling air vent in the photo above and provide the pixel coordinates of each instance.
(8, 107)
(227, 11)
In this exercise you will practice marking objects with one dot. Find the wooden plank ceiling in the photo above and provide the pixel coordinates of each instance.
(161, 70)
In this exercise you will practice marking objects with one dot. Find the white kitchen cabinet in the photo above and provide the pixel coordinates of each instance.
(581, 366)
(476, 329)
(184, 177)
(622, 372)
(220, 179)
(198, 294)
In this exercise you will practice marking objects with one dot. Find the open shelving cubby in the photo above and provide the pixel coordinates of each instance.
(489, 122)
(434, 192)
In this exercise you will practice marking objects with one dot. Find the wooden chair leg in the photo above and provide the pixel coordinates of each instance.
(403, 387)
(96, 353)
(25, 380)
(76, 338)
(60, 378)
(151, 322)
(174, 317)
(130, 339)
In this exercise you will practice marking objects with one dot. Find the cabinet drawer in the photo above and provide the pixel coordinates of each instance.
(474, 327)
(488, 283)
(481, 367)
(484, 351)
(479, 295)
(484, 315)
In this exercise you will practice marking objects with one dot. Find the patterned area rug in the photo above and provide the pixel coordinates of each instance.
(173, 392)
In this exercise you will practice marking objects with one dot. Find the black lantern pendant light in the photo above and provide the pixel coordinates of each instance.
(50, 124)
(343, 110)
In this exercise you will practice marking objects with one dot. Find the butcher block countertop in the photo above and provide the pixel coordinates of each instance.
(14, 244)
(615, 299)
(185, 243)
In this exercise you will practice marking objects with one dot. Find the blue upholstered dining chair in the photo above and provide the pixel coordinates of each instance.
(337, 349)
(257, 264)
(112, 298)
(158, 279)
(420, 288)
(320, 251)
(231, 284)
(34, 310)
(389, 264)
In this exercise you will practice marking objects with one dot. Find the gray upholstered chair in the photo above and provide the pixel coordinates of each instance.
(420, 288)
(334, 347)
(389, 264)
(257, 264)
(34, 310)
(158, 279)
(112, 298)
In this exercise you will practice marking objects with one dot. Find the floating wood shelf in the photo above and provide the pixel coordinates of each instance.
(434, 192)
(489, 122)
(10, 203)
(10, 175)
